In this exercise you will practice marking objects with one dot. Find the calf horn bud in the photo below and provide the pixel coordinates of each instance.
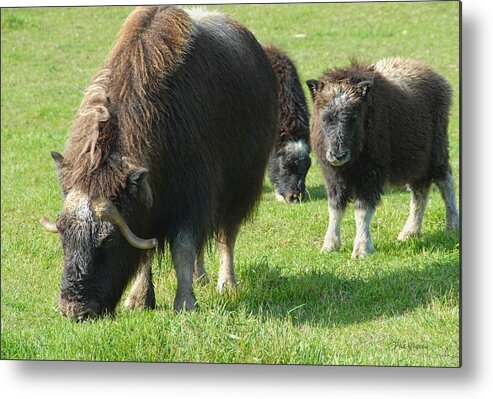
(51, 227)
(106, 211)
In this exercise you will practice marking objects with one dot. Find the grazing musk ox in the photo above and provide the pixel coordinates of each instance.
(171, 141)
(290, 159)
(384, 123)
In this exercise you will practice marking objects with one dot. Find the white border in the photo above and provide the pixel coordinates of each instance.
(473, 380)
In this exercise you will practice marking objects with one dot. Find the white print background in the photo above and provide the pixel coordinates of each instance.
(474, 380)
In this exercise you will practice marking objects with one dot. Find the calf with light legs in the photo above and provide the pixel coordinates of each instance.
(378, 124)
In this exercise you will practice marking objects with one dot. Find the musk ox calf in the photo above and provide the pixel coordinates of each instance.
(290, 159)
(171, 141)
(377, 124)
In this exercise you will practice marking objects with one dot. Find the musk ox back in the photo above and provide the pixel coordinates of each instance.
(377, 124)
(290, 158)
(170, 143)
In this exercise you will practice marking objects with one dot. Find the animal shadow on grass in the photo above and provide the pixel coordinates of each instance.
(437, 240)
(325, 299)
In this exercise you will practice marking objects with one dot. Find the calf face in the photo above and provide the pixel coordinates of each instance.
(340, 108)
(288, 169)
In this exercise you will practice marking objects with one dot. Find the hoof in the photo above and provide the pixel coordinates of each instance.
(184, 303)
(224, 284)
(452, 226)
(405, 234)
(361, 250)
(331, 245)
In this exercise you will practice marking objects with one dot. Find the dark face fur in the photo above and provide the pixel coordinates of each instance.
(340, 109)
(288, 169)
(98, 260)
(85, 242)
(338, 124)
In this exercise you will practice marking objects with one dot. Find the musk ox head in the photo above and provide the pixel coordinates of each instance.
(101, 251)
(287, 170)
(339, 108)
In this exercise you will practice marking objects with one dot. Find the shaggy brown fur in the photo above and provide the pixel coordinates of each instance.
(119, 106)
(173, 135)
(377, 124)
(290, 159)
(293, 112)
(343, 79)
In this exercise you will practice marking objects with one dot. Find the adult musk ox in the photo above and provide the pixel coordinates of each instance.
(377, 124)
(290, 159)
(171, 141)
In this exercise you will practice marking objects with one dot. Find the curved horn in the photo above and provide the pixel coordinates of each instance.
(51, 227)
(106, 211)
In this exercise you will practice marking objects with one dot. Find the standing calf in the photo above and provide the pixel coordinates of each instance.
(377, 124)
(290, 159)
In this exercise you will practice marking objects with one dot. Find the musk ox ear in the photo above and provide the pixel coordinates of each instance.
(365, 87)
(58, 158)
(138, 185)
(313, 86)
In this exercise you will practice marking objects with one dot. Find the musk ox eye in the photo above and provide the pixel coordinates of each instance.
(106, 241)
(329, 119)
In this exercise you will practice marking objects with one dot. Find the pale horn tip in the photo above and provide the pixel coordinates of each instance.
(51, 227)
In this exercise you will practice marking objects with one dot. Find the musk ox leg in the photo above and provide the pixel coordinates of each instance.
(447, 190)
(332, 241)
(226, 246)
(363, 245)
(199, 273)
(419, 201)
(142, 292)
(183, 253)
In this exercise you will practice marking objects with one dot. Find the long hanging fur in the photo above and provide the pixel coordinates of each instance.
(118, 108)
(293, 111)
(290, 158)
(385, 123)
(175, 131)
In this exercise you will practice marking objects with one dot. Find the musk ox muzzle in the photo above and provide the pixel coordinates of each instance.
(79, 311)
(70, 303)
(338, 157)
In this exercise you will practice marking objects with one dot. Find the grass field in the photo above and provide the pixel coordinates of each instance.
(293, 304)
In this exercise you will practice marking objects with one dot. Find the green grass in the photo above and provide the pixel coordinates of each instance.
(293, 304)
